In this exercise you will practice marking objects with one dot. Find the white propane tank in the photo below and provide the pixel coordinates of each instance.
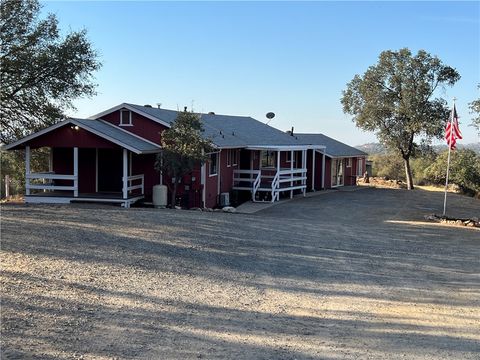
(159, 196)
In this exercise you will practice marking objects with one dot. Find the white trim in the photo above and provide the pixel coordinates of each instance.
(203, 172)
(95, 132)
(50, 160)
(75, 171)
(27, 170)
(96, 169)
(131, 108)
(219, 167)
(313, 170)
(125, 175)
(323, 171)
(129, 118)
(41, 132)
(285, 147)
(210, 164)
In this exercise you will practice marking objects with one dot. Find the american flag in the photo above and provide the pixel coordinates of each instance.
(452, 132)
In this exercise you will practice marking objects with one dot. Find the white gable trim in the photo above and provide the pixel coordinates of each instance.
(80, 125)
(39, 133)
(131, 108)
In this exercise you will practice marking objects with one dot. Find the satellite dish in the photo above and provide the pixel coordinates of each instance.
(270, 115)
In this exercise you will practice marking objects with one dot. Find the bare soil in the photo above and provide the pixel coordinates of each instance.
(344, 275)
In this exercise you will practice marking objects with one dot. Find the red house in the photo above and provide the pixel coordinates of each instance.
(110, 158)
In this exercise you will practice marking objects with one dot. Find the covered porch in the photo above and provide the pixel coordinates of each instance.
(105, 165)
(274, 171)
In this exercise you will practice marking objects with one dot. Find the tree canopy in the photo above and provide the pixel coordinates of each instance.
(395, 98)
(41, 71)
(475, 110)
(183, 148)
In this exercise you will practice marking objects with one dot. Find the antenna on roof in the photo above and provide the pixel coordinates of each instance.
(270, 116)
(159, 105)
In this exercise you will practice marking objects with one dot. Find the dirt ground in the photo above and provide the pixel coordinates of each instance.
(343, 275)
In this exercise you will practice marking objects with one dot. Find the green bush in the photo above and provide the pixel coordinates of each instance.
(464, 170)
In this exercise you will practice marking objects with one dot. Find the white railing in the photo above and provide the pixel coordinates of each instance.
(50, 185)
(275, 186)
(130, 187)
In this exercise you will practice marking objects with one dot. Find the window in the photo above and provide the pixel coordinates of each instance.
(359, 167)
(125, 118)
(232, 157)
(213, 164)
(229, 157)
(349, 162)
(268, 158)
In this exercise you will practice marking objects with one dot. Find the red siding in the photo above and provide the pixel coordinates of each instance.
(65, 137)
(141, 126)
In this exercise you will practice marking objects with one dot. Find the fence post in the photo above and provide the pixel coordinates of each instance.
(7, 186)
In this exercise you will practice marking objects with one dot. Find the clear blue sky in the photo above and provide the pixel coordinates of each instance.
(292, 58)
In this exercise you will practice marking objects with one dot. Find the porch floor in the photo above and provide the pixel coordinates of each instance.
(65, 197)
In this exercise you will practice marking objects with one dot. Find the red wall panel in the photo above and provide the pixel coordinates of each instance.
(141, 126)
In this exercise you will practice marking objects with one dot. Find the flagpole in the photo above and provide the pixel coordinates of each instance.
(448, 161)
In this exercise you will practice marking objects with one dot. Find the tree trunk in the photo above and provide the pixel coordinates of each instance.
(408, 173)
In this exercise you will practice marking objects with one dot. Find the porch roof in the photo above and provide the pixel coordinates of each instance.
(334, 147)
(100, 128)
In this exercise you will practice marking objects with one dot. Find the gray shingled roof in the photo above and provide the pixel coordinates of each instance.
(334, 147)
(228, 130)
(119, 136)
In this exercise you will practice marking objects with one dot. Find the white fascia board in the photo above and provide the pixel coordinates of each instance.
(126, 106)
(130, 133)
(284, 147)
(39, 133)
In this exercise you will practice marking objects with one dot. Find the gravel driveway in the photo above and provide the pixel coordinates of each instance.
(344, 275)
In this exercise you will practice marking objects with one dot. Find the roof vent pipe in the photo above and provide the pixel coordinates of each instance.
(211, 113)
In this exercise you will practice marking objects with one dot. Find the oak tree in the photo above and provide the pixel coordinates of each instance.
(397, 98)
(41, 71)
(183, 148)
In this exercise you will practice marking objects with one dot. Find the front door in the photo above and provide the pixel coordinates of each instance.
(110, 170)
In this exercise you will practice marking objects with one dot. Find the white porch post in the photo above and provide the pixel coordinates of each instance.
(96, 170)
(203, 176)
(278, 170)
(50, 160)
(125, 173)
(313, 169)
(323, 170)
(304, 165)
(27, 170)
(291, 172)
(75, 171)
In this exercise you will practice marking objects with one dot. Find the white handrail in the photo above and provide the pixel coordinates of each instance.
(132, 178)
(48, 186)
(275, 185)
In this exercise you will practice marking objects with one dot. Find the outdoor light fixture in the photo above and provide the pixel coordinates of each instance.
(76, 128)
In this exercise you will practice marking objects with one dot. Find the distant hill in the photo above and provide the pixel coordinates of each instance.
(377, 148)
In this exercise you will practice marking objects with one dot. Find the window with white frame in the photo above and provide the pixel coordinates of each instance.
(213, 164)
(234, 153)
(125, 118)
(349, 162)
(268, 158)
(229, 157)
(360, 167)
